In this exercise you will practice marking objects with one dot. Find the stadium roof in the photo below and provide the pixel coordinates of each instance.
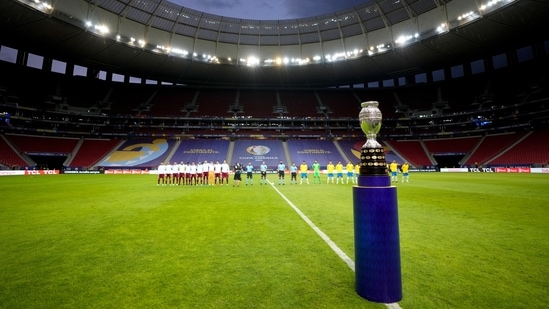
(378, 40)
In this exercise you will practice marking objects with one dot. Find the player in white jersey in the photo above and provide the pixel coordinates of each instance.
(217, 173)
(161, 174)
(181, 176)
(169, 174)
(225, 172)
(199, 173)
(192, 173)
(205, 171)
(175, 175)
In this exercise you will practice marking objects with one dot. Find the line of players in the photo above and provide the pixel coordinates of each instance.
(351, 171)
(336, 172)
(210, 173)
(201, 173)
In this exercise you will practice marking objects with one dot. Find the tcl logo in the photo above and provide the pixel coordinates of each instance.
(42, 172)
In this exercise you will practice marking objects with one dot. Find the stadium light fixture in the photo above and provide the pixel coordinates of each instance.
(252, 61)
(102, 29)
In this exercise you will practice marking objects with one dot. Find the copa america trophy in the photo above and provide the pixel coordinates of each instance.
(377, 244)
(372, 156)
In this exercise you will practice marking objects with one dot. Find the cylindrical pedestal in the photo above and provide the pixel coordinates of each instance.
(377, 244)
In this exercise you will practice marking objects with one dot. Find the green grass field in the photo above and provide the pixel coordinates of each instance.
(473, 240)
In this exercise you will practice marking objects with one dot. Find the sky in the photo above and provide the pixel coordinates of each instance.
(269, 9)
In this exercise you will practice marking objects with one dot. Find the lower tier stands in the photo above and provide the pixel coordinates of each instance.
(412, 151)
(451, 146)
(91, 151)
(490, 146)
(532, 149)
(43, 144)
(512, 149)
(8, 156)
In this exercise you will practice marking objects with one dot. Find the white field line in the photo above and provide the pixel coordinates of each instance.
(326, 239)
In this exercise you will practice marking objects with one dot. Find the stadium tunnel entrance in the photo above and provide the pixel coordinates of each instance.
(448, 161)
(48, 161)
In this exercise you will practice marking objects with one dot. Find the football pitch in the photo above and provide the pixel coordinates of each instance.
(467, 240)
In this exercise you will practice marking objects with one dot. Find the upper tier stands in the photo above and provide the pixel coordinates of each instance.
(215, 102)
(83, 92)
(340, 103)
(17, 86)
(417, 97)
(300, 103)
(464, 93)
(258, 103)
(171, 101)
(129, 99)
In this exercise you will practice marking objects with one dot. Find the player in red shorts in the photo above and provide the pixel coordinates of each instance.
(217, 173)
(161, 174)
(181, 176)
(205, 171)
(188, 173)
(225, 172)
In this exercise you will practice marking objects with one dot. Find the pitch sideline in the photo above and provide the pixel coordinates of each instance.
(326, 239)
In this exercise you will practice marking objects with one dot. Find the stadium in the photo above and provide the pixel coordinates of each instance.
(118, 87)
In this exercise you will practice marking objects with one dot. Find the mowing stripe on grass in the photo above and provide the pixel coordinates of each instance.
(327, 239)
(322, 235)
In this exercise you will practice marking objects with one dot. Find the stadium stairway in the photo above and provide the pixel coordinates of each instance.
(508, 148)
(73, 153)
(286, 152)
(470, 153)
(341, 152)
(173, 150)
(230, 152)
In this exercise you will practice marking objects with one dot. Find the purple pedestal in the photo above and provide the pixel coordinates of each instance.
(377, 244)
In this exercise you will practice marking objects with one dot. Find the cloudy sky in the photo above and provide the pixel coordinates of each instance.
(268, 9)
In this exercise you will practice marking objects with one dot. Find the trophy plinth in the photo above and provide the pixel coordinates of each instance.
(375, 211)
(372, 156)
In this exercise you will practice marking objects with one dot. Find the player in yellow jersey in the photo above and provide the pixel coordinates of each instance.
(304, 170)
(330, 169)
(349, 168)
(339, 170)
(405, 175)
(393, 168)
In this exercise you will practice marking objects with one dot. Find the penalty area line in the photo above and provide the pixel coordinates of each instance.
(326, 239)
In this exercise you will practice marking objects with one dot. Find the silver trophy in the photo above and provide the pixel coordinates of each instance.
(372, 155)
(370, 123)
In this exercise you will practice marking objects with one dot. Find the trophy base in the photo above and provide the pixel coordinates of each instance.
(372, 161)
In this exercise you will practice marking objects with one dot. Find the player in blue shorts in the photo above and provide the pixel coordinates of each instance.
(393, 167)
(249, 174)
